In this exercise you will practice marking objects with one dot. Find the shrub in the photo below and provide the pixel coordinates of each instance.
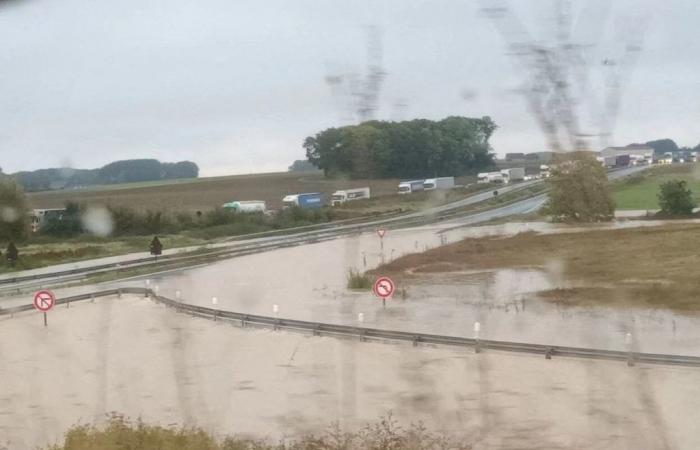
(357, 280)
(675, 199)
(14, 220)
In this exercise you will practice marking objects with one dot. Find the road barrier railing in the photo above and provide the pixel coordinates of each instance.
(365, 333)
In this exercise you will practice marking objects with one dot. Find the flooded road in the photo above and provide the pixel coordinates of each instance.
(140, 359)
(309, 283)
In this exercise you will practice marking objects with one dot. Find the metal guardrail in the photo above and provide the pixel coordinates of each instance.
(283, 241)
(363, 333)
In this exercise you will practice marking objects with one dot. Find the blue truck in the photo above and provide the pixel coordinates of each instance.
(307, 201)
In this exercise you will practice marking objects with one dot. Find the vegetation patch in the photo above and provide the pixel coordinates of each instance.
(357, 280)
(122, 434)
(641, 191)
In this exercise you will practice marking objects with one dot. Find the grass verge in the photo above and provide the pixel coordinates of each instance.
(640, 191)
(357, 280)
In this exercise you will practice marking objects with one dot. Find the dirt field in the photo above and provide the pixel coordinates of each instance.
(207, 193)
(650, 266)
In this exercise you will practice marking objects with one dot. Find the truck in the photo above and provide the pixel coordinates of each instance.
(622, 160)
(409, 187)
(490, 177)
(246, 206)
(340, 197)
(513, 174)
(439, 183)
(309, 200)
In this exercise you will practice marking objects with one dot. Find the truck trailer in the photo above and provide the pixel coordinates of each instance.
(490, 177)
(409, 187)
(309, 200)
(439, 183)
(246, 206)
(513, 174)
(340, 197)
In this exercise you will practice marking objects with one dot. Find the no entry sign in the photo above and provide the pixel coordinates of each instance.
(44, 300)
(384, 287)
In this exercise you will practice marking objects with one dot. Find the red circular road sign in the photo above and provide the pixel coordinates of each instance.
(44, 300)
(384, 287)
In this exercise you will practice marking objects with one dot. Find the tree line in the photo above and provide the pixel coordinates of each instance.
(126, 171)
(412, 149)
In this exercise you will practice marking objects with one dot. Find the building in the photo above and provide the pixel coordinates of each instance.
(39, 216)
(638, 150)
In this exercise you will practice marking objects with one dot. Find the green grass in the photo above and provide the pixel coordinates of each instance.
(641, 191)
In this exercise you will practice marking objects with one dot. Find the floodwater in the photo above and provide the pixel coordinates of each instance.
(309, 283)
(135, 357)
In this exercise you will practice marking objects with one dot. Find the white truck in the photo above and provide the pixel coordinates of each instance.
(513, 174)
(246, 206)
(340, 197)
(490, 177)
(409, 187)
(439, 183)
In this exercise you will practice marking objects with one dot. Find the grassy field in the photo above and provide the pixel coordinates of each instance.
(641, 191)
(646, 266)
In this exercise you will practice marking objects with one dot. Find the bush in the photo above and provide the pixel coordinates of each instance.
(122, 434)
(675, 199)
(357, 280)
(14, 218)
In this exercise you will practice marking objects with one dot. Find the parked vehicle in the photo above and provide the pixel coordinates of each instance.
(409, 187)
(246, 206)
(513, 174)
(490, 177)
(439, 183)
(307, 200)
(340, 197)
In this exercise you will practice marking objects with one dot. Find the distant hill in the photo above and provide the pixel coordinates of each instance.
(126, 171)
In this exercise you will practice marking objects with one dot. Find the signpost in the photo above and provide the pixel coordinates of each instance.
(381, 232)
(384, 287)
(44, 301)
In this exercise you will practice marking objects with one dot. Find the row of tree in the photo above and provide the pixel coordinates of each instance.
(662, 146)
(126, 171)
(412, 149)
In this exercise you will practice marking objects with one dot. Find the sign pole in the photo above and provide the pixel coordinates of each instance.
(45, 321)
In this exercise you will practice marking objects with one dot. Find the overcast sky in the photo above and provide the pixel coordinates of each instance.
(237, 85)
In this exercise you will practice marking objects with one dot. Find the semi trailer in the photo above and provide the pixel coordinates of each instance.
(309, 200)
(340, 197)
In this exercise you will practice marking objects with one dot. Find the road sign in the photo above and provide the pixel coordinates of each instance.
(381, 232)
(384, 287)
(44, 300)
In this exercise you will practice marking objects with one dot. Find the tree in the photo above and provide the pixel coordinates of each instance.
(182, 169)
(12, 254)
(14, 217)
(662, 146)
(412, 149)
(301, 165)
(675, 199)
(156, 247)
(579, 190)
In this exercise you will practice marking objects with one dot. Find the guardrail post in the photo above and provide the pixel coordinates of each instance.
(92, 298)
(477, 343)
(119, 293)
(630, 355)
(67, 304)
(416, 340)
(317, 330)
(548, 353)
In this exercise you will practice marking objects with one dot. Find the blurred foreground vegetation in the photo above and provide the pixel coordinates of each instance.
(120, 433)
